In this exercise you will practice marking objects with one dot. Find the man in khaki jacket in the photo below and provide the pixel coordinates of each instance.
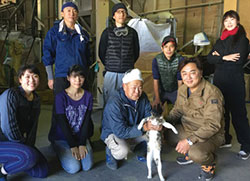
(199, 106)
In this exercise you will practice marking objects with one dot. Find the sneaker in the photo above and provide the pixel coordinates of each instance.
(184, 160)
(141, 159)
(2, 176)
(207, 173)
(111, 162)
(243, 155)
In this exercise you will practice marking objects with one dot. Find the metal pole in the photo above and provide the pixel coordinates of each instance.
(34, 38)
(18, 6)
(4, 44)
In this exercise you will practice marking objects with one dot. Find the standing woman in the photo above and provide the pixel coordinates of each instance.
(70, 132)
(229, 54)
(19, 113)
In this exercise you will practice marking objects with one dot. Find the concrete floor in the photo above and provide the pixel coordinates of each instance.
(229, 168)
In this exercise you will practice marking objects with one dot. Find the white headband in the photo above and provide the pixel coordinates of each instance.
(131, 75)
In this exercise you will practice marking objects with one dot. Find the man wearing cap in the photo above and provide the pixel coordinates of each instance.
(65, 44)
(118, 50)
(122, 114)
(165, 72)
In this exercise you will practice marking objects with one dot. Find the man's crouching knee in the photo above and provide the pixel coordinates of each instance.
(201, 157)
(121, 153)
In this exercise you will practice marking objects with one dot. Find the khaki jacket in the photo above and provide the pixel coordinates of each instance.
(201, 114)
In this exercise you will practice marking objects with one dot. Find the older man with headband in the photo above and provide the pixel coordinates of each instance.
(122, 114)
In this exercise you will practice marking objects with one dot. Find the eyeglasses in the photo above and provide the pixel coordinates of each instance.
(121, 31)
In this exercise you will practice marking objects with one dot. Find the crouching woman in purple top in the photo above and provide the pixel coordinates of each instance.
(19, 113)
(73, 126)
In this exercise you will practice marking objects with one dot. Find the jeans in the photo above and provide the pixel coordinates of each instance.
(112, 82)
(68, 162)
(168, 96)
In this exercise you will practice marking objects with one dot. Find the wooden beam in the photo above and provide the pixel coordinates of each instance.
(185, 25)
(183, 7)
(59, 6)
(155, 5)
(85, 24)
(202, 16)
(102, 13)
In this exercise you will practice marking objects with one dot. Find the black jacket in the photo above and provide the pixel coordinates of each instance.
(18, 117)
(119, 53)
(226, 47)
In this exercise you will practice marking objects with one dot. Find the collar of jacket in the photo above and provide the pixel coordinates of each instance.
(165, 58)
(36, 97)
(199, 91)
(77, 28)
(125, 100)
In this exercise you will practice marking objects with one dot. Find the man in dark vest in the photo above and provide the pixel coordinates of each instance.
(165, 72)
(118, 50)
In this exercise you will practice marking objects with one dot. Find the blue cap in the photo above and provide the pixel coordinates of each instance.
(69, 4)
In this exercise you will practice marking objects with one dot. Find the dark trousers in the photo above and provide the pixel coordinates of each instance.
(203, 153)
(60, 83)
(232, 86)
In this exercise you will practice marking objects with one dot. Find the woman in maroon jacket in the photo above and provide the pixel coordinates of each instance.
(229, 54)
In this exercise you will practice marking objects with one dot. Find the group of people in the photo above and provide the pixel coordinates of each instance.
(201, 110)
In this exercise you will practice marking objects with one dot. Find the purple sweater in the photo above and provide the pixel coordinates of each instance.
(72, 118)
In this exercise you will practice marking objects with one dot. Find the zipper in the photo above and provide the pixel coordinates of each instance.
(130, 107)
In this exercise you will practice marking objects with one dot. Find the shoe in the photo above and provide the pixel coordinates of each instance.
(111, 162)
(141, 159)
(184, 160)
(207, 173)
(2, 176)
(243, 155)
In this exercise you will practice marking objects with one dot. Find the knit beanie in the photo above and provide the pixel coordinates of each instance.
(69, 4)
(118, 6)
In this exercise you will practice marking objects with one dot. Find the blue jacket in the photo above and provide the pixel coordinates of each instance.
(121, 118)
(65, 49)
(18, 117)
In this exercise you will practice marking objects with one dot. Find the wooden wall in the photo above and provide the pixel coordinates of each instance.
(194, 20)
(48, 14)
(189, 20)
(243, 10)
